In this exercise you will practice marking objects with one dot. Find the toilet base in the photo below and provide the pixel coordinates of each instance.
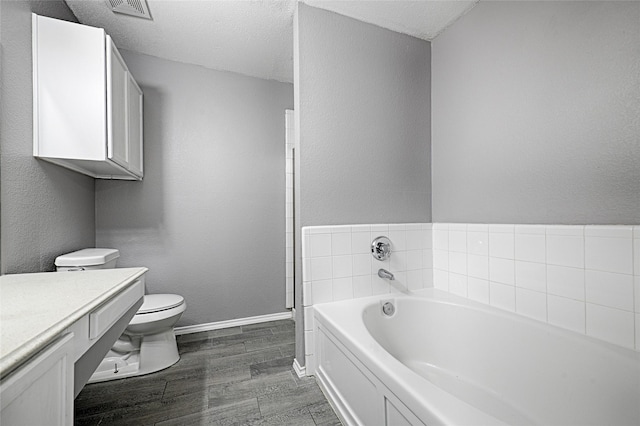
(150, 353)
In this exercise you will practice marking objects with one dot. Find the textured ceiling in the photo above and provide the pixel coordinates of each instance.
(251, 37)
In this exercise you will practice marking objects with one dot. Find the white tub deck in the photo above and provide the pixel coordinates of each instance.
(441, 359)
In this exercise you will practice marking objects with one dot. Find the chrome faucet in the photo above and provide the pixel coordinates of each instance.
(383, 273)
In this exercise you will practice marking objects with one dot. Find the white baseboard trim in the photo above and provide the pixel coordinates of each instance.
(300, 371)
(188, 329)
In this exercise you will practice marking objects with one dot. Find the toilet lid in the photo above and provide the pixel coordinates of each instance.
(159, 302)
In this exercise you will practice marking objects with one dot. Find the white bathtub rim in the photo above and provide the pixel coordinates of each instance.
(400, 379)
(435, 406)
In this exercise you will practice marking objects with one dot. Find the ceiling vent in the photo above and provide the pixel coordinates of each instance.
(137, 8)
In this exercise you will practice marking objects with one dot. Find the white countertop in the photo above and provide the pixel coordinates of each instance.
(36, 308)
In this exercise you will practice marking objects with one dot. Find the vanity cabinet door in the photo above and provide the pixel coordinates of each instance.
(41, 391)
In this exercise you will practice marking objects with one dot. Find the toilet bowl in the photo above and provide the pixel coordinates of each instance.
(148, 344)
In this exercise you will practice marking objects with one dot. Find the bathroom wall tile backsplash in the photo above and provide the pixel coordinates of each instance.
(338, 265)
(582, 278)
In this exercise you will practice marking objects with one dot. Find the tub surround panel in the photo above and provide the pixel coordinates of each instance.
(582, 278)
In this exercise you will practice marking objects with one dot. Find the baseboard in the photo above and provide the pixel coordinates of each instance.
(188, 329)
(300, 371)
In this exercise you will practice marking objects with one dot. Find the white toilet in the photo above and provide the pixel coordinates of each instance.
(148, 343)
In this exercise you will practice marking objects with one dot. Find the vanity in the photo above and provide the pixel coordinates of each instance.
(55, 328)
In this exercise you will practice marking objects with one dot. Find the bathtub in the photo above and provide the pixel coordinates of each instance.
(444, 360)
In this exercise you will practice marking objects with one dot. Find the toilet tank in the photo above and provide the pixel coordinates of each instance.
(86, 259)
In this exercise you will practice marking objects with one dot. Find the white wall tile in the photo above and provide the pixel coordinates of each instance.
(477, 227)
(309, 342)
(362, 286)
(441, 260)
(321, 268)
(340, 229)
(398, 261)
(427, 258)
(360, 228)
(532, 304)
(342, 266)
(565, 250)
(609, 231)
(341, 243)
(478, 290)
(308, 318)
(566, 313)
(566, 282)
(380, 229)
(362, 264)
(458, 284)
(638, 332)
(636, 255)
(530, 247)
(609, 254)
(398, 240)
(458, 263)
(501, 244)
(415, 239)
(568, 230)
(415, 279)
(414, 260)
(342, 288)
(502, 228)
(307, 294)
(532, 276)
(320, 245)
(502, 270)
(609, 289)
(457, 241)
(531, 229)
(502, 296)
(427, 239)
(322, 291)
(611, 325)
(440, 239)
(478, 243)
(378, 285)
(478, 266)
(427, 276)
(319, 229)
(361, 242)
(306, 269)
(441, 279)
(636, 292)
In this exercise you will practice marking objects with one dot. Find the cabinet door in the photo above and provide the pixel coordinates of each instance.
(117, 82)
(41, 391)
(135, 127)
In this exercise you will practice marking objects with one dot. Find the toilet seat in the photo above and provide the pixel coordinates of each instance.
(159, 302)
(160, 313)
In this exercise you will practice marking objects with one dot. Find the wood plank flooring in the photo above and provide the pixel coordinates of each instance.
(234, 376)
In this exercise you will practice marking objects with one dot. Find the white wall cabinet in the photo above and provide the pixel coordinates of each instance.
(87, 105)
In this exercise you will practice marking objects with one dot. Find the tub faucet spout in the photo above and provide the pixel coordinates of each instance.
(383, 273)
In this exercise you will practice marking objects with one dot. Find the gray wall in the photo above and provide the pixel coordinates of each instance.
(364, 122)
(209, 217)
(46, 210)
(535, 114)
(363, 103)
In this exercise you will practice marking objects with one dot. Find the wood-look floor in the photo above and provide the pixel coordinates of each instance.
(235, 376)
